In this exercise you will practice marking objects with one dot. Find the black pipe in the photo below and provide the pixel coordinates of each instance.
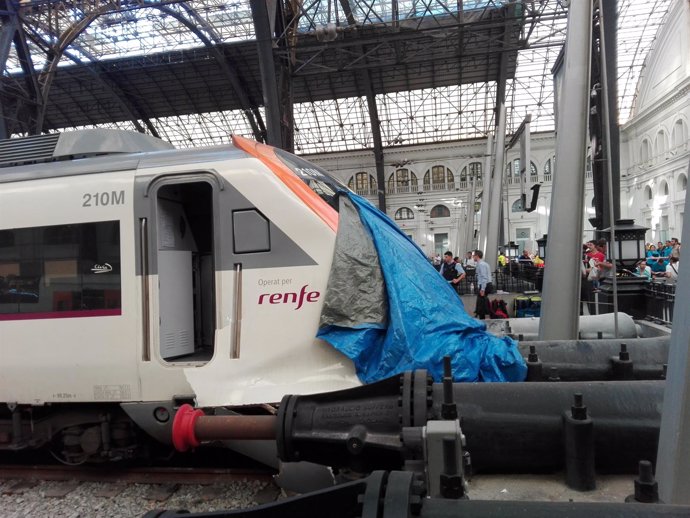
(509, 427)
(591, 360)
(518, 427)
(439, 508)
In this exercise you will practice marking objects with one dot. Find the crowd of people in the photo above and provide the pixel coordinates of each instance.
(526, 258)
(661, 262)
(454, 270)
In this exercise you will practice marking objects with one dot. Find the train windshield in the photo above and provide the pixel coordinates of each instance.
(318, 180)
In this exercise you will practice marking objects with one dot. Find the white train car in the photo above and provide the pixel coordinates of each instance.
(129, 268)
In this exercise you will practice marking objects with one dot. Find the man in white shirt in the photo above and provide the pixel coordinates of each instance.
(468, 260)
(672, 269)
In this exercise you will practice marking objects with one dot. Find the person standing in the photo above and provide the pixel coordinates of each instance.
(672, 269)
(451, 270)
(525, 258)
(675, 248)
(468, 261)
(484, 285)
(502, 259)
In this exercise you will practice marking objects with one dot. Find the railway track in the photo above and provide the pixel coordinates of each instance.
(38, 490)
(138, 475)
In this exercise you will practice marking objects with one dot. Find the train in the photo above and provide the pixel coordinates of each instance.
(135, 277)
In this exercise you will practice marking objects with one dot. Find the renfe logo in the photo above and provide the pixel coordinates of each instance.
(291, 297)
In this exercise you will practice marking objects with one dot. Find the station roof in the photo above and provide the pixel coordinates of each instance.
(168, 66)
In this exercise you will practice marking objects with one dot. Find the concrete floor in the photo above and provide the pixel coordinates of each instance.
(550, 488)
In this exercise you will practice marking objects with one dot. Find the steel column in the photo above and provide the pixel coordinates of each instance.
(376, 136)
(561, 293)
(610, 133)
(469, 234)
(6, 35)
(673, 468)
(468, 242)
(494, 216)
(525, 163)
(7, 30)
(3, 127)
(269, 84)
(486, 194)
(609, 183)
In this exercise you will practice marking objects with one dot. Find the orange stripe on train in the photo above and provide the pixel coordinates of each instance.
(268, 156)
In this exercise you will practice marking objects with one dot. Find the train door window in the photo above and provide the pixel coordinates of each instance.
(185, 258)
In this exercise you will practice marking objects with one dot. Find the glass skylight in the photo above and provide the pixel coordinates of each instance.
(409, 117)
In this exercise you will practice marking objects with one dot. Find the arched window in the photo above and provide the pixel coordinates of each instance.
(404, 213)
(438, 177)
(403, 180)
(475, 169)
(517, 206)
(661, 143)
(682, 183)
(648, 193)
(645, 151)
(513, 168)
(362, 183)
(440, 211)
(663, 188)
(680, 133)
(547, 167)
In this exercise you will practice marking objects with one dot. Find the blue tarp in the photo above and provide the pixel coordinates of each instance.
(425, 319)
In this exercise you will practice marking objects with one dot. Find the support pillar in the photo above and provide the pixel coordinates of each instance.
(672, 466)
(525, 163)
(486, 194)
(605, 139)
(495, 220)
(560, 309)
(378, 142)
(468, 241)
(269, 83)
(7, 30)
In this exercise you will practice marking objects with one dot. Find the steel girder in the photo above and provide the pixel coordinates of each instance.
(38, 97)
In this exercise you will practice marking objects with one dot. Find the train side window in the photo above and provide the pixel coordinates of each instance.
(61, 271)
(250, 232)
